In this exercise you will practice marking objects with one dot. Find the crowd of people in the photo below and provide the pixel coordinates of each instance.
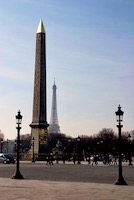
(106, 159)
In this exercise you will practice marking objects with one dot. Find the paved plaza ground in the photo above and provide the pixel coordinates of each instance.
(59, 182)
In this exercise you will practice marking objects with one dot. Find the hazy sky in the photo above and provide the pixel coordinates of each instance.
(90, 53)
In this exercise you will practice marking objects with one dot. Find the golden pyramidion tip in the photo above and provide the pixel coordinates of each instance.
(40, 27)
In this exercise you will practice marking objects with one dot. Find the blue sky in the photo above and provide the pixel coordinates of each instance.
(90, 53)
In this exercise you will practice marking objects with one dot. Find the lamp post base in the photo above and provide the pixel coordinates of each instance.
(17, 175)
(120, 181)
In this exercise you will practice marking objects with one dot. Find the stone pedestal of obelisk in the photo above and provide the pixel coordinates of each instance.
(39, 120)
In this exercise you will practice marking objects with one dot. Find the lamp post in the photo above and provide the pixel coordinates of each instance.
(33, 157)
(1, 142)
(69, 148)
(17, 174)
(78, 149)
(7, 147)
(129, 151)
(119, 114)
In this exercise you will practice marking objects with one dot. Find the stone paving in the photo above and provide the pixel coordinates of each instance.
(72, 185)
(52, 190)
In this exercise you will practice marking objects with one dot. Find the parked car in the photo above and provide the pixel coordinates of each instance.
(6, 158)
(3, 160)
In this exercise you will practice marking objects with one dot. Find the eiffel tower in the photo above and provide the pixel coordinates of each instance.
(54, 124)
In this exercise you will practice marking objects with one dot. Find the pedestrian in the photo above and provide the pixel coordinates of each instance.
(48, 159)
(89, 160)
(51, 159)
(64, 158)
(95, 160)
(115, 160)
(74, 158)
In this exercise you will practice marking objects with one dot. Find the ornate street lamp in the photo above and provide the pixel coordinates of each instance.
(119, 114)
(33, 157)
(7, 147)
(1, 142)
(129, 150)
(69, 147)
(78, 149)
(17, 174)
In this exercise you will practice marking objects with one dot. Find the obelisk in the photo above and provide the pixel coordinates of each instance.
(39, 119)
